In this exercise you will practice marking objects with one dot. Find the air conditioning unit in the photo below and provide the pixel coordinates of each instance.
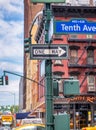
(91, 89)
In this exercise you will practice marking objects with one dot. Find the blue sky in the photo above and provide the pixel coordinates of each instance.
(11, 47)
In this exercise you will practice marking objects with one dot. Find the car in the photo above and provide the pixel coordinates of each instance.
(30, 127)
(89, 128)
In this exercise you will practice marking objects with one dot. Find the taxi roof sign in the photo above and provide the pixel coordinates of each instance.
(47, 1)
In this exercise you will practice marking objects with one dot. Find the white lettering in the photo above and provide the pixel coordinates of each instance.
(89, 28)
(75, 27)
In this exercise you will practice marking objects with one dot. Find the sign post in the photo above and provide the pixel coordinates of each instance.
(48, 73)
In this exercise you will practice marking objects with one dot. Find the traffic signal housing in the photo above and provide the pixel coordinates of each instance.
(6, 80)
(71, 87)
(27, 42)
(55, 88)
(1, 80)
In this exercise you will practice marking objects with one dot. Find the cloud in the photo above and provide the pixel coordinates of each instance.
(9, 91)
(11, 43)
(11, 38)
(12, 5)
(12, 67)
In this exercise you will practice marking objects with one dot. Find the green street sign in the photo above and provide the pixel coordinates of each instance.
(47, 1)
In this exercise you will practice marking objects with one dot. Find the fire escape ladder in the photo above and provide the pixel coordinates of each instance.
(86, 76)
(83, 53)
(84, 79)
(90, 66)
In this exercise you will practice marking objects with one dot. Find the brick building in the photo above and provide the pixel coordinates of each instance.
(81, 65)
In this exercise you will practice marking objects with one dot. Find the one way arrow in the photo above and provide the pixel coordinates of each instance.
(50, 51)
(44, 51)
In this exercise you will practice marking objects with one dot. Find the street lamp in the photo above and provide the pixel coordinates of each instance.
(11, 94)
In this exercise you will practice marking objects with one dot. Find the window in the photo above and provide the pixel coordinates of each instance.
(91, 80)
(73, 56)
(42, 68)
(91, 83)
(90, 56)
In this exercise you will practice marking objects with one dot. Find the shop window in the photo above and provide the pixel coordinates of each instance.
(91, 83)
(90, 56)
(73, 56)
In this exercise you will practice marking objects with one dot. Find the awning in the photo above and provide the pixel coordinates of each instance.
(22, 115)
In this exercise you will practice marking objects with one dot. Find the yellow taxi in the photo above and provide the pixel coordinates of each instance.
(30, 127)
(89, 128)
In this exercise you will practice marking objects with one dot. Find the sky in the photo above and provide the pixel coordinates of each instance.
(11, 48)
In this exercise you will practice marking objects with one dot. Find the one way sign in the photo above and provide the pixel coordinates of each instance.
(48, 51)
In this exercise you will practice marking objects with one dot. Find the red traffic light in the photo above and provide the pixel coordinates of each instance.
(6, 77)
(6, 80)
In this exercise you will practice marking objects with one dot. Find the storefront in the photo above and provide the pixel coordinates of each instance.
(82, 109)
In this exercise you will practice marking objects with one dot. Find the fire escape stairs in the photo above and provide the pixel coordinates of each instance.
(83, 52)
(90, 65)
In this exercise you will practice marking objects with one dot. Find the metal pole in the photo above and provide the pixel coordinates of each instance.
(48, 74)
(14, 102)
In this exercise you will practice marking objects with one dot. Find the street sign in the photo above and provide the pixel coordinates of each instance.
(47, 1)
(80, 26)
(46, 51)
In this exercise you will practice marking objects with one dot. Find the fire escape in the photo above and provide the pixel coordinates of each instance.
(89, 45)
(75, 42)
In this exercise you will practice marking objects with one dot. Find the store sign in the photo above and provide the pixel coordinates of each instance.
(47, 1)
(90, 99)
(81, 98)
(81, 26)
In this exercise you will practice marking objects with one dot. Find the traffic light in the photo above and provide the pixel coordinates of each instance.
(27, 42)
(55, 88)
(1, 80)
(6, 80)
(26, 48)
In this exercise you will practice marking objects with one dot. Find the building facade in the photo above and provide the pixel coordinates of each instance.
(81, 65)
(30, 67)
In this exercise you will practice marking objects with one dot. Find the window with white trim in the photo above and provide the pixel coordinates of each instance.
(91, 83)
(73, 56)
(90, 57)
